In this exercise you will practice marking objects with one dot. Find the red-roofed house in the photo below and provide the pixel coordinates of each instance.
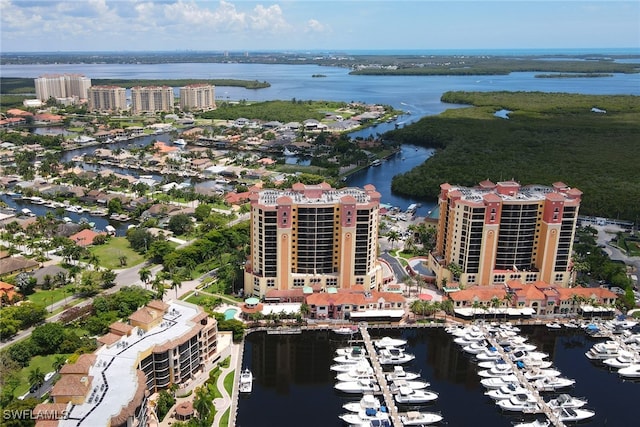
(85, 237)
(355, 303)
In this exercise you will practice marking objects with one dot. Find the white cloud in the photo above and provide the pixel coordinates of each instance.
(315, 26)
(269, 19)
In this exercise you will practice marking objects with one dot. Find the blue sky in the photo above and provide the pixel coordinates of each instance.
(136, 25)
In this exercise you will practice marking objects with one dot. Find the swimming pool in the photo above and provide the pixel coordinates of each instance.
(230, 313)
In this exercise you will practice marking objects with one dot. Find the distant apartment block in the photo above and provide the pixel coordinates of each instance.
(151, 99)
(107, 98)
(62, 86)
(494, 233)
(161, 344)
(313, 237)
(198, 97)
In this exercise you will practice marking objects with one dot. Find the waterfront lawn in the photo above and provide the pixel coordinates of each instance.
(109, 254)
(50, 296)
(45, 363)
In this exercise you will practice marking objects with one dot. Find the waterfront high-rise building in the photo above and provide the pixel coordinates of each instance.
(313, 237)
(151, 99)
(494, 233)
(198, 97)
(62, 86)
(107, 98)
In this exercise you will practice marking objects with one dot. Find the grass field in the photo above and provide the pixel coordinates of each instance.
(45, 363)
(50, 296)
(109, 254)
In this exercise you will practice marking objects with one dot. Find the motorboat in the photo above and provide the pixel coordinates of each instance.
(367, 401)
(346, 367)
(533, 363)
(360, 386)
(552, 383)
(520, 347)
(631, 371)
(408, 395)
(521, 402)
(603, 350)
(534, 423)
(506, 391)
(537, 374)
(475, 347)
(355, 351)
(394, 356)
(488, 364)
(497, 371)
(574, 414)
(354, 357)
(387, 342)
(553, 326)
(490, 353)
(415, 418)
(400, 374)
(566, 401)
(180, 141)
(356, 372)
(497, 382)
(469, 337)
(416, 385)
(246, 381)
(523, 354)
(623, 360)
(365, 416)
(346, 330)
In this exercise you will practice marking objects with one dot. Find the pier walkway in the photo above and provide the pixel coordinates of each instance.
(382, 381)
(523, 381)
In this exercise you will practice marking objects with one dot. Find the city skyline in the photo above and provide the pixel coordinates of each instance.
(138, 25)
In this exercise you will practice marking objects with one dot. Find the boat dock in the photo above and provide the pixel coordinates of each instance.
(382, 381)
(523, 381)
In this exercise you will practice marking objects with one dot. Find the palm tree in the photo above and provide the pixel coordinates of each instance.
(58, 362)
(475, 306)
(145, 275)
(36, 377)
(508, 298)
(176, 283)
(158, 286)
(94, 260)
(393, 236)
(203, 406)
(495, 303)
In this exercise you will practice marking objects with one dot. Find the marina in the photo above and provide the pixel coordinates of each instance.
(293, 372)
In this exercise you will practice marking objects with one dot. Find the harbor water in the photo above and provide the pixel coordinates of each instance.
(293, 384)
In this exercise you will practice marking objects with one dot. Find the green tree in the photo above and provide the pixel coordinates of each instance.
(202, 212)
(180, 224)
(48, 337)
(36, 377)
(108, 278)
(58, 362)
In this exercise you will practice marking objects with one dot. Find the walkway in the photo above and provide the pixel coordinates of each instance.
(382, 381)
(555, 420)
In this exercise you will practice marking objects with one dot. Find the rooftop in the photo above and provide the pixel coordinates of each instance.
(115, 369)
(318, 194)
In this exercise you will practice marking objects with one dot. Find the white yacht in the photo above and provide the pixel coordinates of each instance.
(246, 381)
(488, 364)
(367, 401)
(386, 342)
(346, 367)
(534, 423)
(360, 386)
(394, 356)
(358, 372)
(416, 385)
(355, 351)
(566, 401)
(490, 353)
(623, 360)
(521, 402)
(497, 382)
(364, 417)
(415, 418)
(631, 371)
(353, 358)
(603, 350)
(408, 395)
(522, 354)
(475, 347)
(538, 374)
(506, 391)
(400, 374)
(574, 414)
(552, 383)
(496, 371)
